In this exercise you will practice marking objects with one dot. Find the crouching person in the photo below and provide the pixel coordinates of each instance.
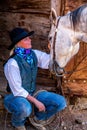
(21, 71)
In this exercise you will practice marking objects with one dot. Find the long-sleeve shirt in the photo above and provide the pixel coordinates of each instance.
(12, 73)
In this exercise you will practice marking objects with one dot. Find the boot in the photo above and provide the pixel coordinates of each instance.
(20, 128)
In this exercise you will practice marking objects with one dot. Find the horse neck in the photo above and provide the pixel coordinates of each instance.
(79, 32)
(81, 26)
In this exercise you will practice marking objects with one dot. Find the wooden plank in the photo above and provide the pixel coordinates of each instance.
(1, 105)
(73, 4)
(57, 4)
(30, 6)
(45, 79)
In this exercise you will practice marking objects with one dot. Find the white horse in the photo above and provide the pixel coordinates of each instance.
(64, 37)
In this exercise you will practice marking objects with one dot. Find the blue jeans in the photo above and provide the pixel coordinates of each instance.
(21, 108)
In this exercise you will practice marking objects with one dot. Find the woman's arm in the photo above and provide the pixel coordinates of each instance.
(37, 103)
(43, 59)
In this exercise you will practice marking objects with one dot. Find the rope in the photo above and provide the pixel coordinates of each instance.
(40, 124)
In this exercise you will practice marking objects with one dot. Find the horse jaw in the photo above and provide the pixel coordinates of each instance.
(63, 59)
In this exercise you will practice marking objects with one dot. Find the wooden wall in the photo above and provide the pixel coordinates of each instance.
(32, 15)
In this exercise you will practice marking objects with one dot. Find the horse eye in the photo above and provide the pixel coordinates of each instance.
(50, 38)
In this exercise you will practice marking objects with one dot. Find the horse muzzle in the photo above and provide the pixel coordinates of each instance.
(56, 69)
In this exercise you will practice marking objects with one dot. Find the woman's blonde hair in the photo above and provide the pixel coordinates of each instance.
(11, 52)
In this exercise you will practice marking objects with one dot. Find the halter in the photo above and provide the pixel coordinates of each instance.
(56, 67)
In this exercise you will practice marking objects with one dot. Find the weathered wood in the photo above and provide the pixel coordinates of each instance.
(32, 6)
(32, 15)
(1, 106)
(72, 4)
(2, 94)
(45, 80)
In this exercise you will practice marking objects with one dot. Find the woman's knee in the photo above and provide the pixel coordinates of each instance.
(59, 100)
(25, 111)
(18, 106)
(25, 108)
(62, 103)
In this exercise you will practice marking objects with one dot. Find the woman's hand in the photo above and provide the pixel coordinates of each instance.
(37, 103)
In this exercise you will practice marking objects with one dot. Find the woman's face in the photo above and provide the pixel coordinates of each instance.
(25, 43)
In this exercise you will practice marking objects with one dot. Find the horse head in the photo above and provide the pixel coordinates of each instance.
(64, 38)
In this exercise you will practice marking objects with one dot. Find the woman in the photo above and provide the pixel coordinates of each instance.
(21, 71)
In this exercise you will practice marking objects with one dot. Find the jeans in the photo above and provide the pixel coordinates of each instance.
(21, 108)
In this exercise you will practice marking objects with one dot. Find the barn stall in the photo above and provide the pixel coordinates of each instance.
(35, 15)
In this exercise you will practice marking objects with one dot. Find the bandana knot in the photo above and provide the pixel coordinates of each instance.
(25, 54)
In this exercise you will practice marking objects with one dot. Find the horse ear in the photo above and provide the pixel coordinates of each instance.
(53, 16)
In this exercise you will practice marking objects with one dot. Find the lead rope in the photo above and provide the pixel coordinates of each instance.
(40, 125)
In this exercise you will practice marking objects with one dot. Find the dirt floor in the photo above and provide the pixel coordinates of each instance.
(65, 120)
(71, 118)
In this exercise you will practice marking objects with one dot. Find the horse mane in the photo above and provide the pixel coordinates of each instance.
(75, 16)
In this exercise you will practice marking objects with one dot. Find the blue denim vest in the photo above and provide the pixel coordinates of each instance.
(28, 73)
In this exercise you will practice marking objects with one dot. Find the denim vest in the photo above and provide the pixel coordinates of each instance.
(28, 73)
